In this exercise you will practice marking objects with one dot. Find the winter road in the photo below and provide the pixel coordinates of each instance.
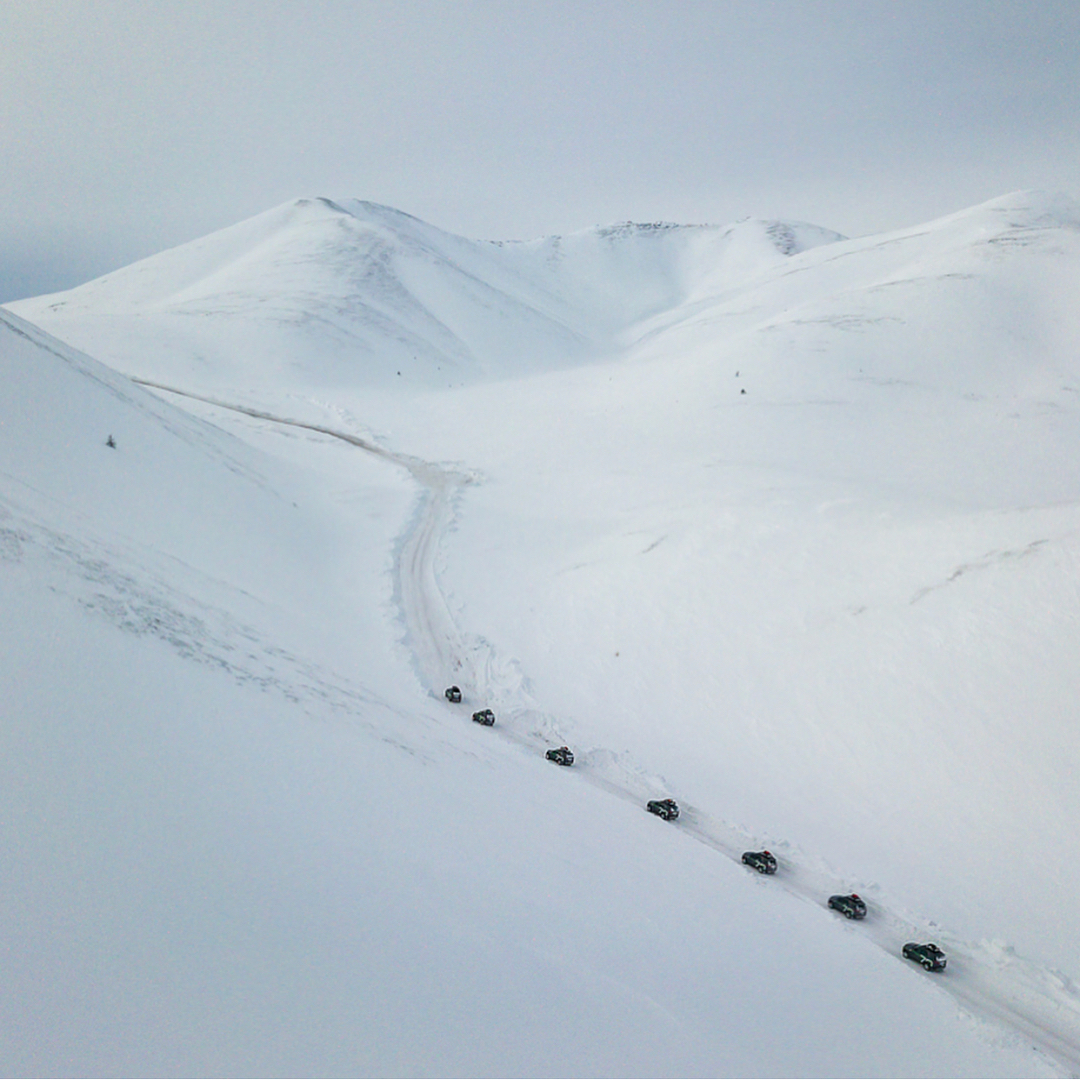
(1039, 1006)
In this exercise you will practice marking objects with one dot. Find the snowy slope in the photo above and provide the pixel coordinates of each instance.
(339, 294)
(835, 614)
(227, 857)
(848, 595)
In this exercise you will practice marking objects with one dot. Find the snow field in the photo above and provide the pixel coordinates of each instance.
(1016, 993)
(211, 881)
(835, 616)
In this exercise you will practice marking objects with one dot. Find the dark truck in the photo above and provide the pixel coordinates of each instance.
(668, 809)
(852, 905)
(562, 755)
(764, 862)
(929, 955)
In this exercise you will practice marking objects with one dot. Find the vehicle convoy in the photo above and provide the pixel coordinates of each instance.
(668, 809)
(453, 693)
(852, 905)
(764, 862)
(485, 717)
(929, 955)
(562, 755)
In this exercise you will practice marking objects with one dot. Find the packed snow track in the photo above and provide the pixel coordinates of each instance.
(988, 980)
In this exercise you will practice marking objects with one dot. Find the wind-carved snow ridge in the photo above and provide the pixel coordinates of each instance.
(987, 979)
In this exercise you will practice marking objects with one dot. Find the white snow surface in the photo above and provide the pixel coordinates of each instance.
(835, 615)
(324, 294)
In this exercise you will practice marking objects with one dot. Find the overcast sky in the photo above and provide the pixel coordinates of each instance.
(128, 127)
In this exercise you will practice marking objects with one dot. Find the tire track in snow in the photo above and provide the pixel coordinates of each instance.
(442, 654)
(1039, 1006)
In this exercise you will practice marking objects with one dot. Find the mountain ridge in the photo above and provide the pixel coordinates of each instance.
(362, 279)
(363, 294)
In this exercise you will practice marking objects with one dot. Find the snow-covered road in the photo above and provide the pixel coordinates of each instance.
(987, 979)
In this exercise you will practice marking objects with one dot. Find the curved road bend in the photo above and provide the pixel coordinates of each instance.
(1038, 1005)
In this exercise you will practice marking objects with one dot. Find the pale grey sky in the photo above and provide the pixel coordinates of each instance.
(128, 127)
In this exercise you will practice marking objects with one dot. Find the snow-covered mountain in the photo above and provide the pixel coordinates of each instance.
(783, 525)
(352, 293)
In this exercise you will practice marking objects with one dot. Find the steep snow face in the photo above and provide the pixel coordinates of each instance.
(354, 294)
